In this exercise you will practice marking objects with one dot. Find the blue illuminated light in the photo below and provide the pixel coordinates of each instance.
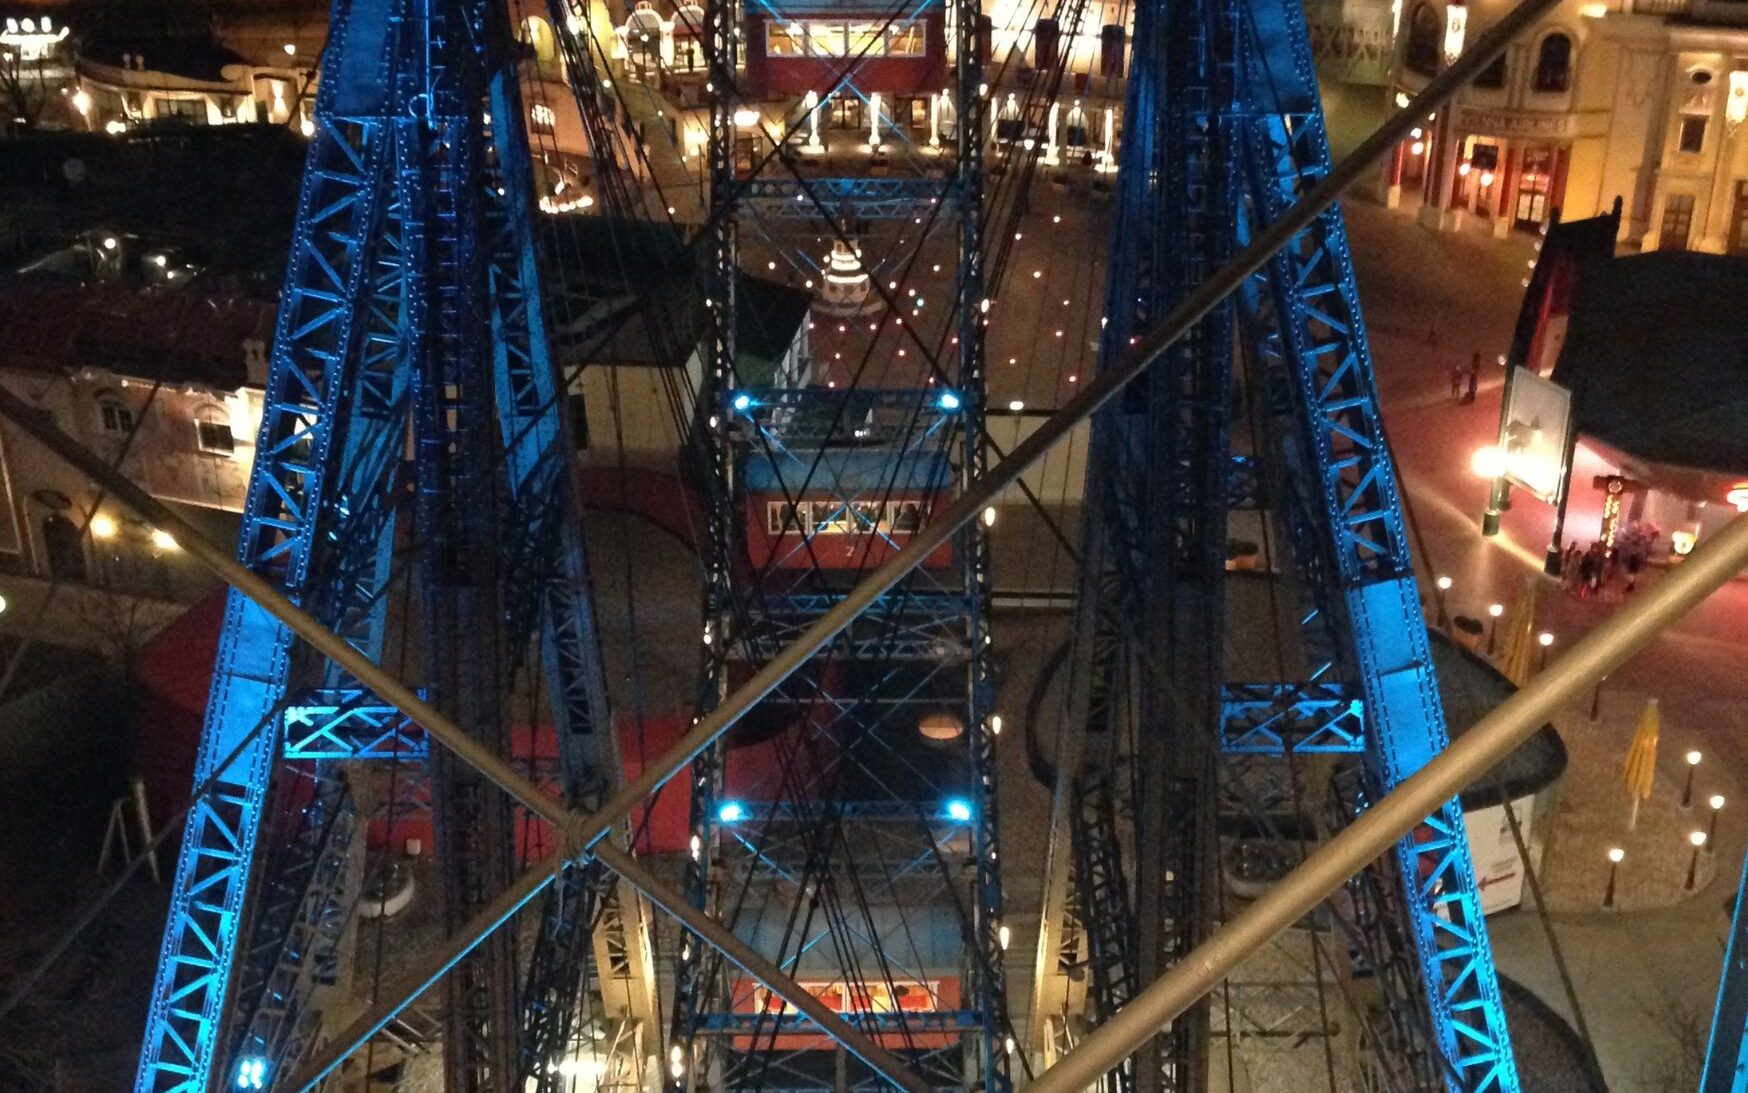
(743, 402)
(252, 1074)
(950, 400)
(730, 812)
(958, 810)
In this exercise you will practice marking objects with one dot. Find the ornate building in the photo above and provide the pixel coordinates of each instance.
(1637, 99)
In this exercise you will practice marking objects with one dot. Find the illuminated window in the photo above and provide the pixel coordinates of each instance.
(541, 118)
(212, 431)
(537, 32)
(877, 997)
(866, 39)
(1554, 64)
(825, 39)
(905, 41)
(785, 40)
(781, 517)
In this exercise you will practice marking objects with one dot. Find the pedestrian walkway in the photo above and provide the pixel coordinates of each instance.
(1645, 972)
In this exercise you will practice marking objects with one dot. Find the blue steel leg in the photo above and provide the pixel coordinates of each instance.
(1726, 1069)
(309, 372)
(1322, 334)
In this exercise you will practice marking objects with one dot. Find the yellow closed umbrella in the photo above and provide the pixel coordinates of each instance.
(1517, 658)
(1641, 766)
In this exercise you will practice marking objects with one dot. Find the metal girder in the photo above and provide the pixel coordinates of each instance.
(1277, 718)
(1391, 817)
(335, 725)
(1323, 336)
(312, 367)
(844, 199)
(300, 923)
(1726, 1065)
(1647, 615)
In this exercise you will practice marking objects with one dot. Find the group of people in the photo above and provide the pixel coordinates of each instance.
(1605, 572)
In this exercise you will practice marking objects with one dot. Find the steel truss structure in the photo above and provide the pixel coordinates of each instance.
(411, 305)
(858, 858)
(1224, 130)
(857, 855)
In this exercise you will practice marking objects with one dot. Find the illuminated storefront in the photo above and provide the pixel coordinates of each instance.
(1646, 357)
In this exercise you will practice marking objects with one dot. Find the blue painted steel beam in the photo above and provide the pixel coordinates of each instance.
(1322, 334)
(1277, 718)
(1726, 1066)
(313, 366)
(348, 725)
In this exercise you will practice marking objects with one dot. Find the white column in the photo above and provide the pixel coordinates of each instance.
(1051, 159)
(812, 102)
(874, 121)
(1108, 160)
(935, 120)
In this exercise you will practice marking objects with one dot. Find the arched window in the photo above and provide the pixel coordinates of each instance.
(1425, 40)
(1554, 63)
(212, 431)
(537, 32)
(114, 414)
(64, 548)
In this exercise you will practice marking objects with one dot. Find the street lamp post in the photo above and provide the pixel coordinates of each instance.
(1596, 700)
(1717, 802)
(1615, 854)
(1443, 584)
(1494, 610)
(1693, 758)
(1489, 463)
(1544, 639)
(1698, 839)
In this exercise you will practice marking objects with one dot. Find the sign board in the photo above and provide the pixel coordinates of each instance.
(1351, 40)
(1533, 438)
(1498, 866)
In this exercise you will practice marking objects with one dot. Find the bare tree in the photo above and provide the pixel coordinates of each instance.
(22, 87)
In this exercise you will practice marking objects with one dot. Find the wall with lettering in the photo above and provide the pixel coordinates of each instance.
(1351, 40)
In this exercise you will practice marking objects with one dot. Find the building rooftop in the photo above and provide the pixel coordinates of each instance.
(188, 56)
(1656, 357)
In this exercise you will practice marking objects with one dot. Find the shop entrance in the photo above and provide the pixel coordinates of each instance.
(1531, 209)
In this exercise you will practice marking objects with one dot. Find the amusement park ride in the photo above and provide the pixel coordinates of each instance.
(840, 881)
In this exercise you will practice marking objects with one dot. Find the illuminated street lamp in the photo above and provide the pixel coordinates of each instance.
(1494, 610)
(1615, 856)
(1544, 639)
(1488, 461)
(1698, 839)
(1693, 758)
(1716, 800)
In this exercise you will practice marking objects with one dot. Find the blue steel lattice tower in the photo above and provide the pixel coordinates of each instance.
(861, 854)
(411, 307)
(1223, 130)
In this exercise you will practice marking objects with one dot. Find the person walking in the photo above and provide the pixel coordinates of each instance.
(1587, 565)
(1474, 377)
(1634, 559)
(1456, 382)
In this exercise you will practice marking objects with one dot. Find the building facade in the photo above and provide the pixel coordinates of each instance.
(1637, 99)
